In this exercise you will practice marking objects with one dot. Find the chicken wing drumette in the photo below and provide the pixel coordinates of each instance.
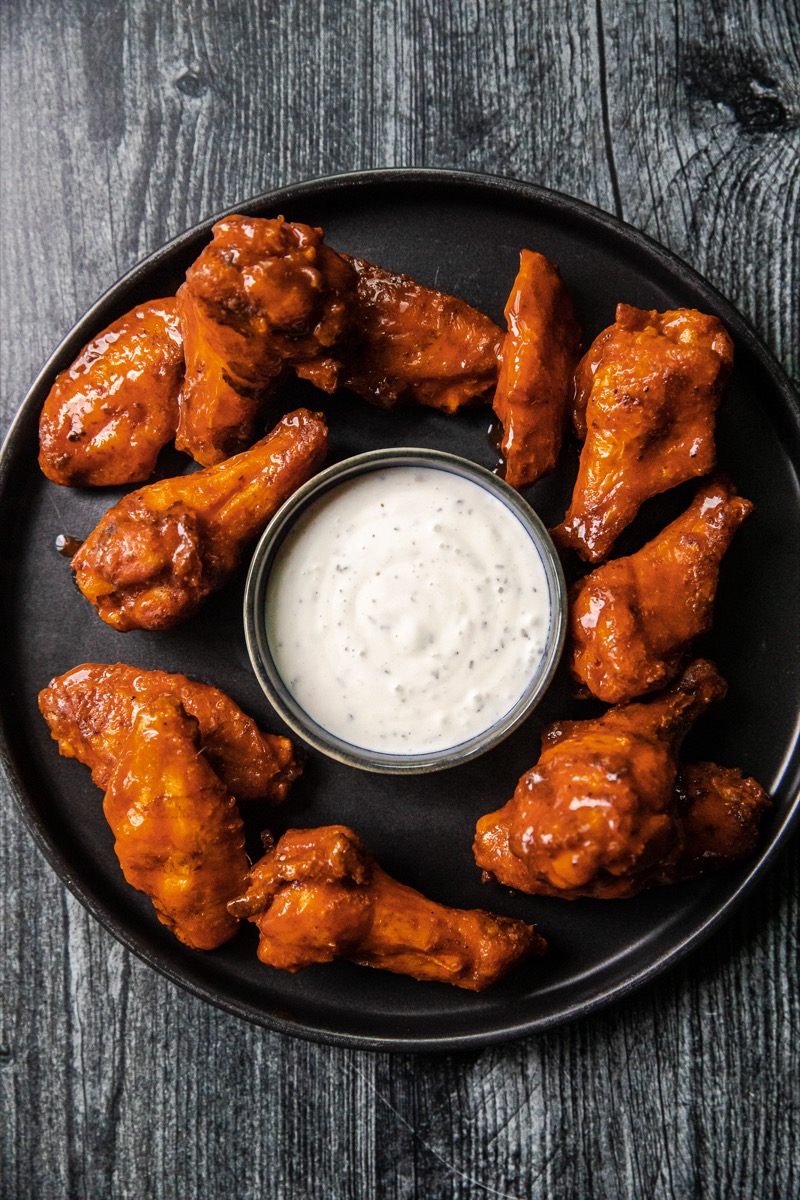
(108, 415)
(597, 815)
(418, 345)
(157, 554)
(319, 895)
(632, 619)
(179, 836)
(91, 711)
(265, 296)
(538, 358)
(647, 394)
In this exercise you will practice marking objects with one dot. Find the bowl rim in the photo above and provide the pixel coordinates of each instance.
(255, 628)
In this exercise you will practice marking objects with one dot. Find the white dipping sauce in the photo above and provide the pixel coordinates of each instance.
(407, 610)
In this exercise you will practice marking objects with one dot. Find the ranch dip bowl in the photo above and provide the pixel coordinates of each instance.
(405, 610)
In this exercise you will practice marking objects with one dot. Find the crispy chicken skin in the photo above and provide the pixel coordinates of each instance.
(419, 345)
(632, 619)
(597, 814)
(263, 297)
(537, 362)
(157, 554)
(647, 392)
(108, 415)
(92, 708)
(179, 836)
(319, 895)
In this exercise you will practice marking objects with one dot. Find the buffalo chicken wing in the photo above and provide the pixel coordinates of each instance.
(319, 895)
(538, 358)
(178, 834)
(419, 345)
(718, 812)
(157, 554)
(597, 815)
(647, 395)
(91, 711)
(632, 619)
(264, 297)
(109, 414)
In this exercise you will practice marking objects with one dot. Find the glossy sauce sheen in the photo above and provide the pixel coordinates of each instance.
(407, 610)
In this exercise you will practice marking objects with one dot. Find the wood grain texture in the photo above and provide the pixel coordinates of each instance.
(125, 122)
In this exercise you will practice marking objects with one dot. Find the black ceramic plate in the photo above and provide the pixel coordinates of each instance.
(462, 234)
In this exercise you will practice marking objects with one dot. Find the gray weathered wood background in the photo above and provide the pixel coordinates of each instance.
(123, 123)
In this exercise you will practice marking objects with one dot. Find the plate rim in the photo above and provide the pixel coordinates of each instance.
(630, 237)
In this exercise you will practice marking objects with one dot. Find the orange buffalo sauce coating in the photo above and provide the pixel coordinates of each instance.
(156, 555)
(178, 834)
(598, 815)
(319, 895)
(91, 711)
(108, 415)
(537, 362)
(720, 812)
(631, 620)
(647, 393)
(417, 345)
(264, 297)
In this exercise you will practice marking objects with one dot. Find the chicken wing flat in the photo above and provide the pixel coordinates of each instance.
(108, 415)
(419, 345)
(647, 395)
(538, 358)
(632, 620)
(597, 814)
(179, 836)
(91, 711)
(319, 895)
(157, 554)
(265, 296)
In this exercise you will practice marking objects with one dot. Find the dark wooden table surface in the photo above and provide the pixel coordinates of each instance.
(124, 123)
